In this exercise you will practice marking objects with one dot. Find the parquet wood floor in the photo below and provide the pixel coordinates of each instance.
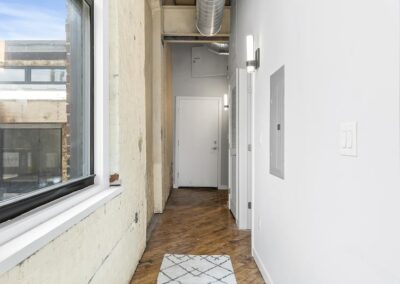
(197, 221)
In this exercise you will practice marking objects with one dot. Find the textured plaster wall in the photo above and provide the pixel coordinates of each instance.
(149, 110)
(114, 97)
(168, 124)
(106, 246)
(162, 146)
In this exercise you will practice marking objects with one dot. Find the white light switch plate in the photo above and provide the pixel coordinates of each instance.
(348, 139)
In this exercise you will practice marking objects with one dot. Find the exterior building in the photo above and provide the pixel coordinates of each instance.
(33, 115)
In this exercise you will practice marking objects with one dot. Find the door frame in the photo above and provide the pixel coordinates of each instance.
(244, 103)
(178, 99)
(242, 148)
(232, 86)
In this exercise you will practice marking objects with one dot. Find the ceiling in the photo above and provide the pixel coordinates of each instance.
(187, 2)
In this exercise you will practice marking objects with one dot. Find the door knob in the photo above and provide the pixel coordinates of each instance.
(214, 148)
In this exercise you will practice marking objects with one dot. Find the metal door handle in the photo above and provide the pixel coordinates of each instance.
(214, 148)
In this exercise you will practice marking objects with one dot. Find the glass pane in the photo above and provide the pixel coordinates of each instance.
(41, 75)
(44, 94)
(31, 160)
(59, 75)
(49, 75)
(12, 75)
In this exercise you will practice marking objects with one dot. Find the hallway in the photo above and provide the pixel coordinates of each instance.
(197, 221)
(199, 141)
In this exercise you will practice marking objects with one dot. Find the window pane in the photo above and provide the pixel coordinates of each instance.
(12, 75)
(59, 75)
(41, 75)
(49, 75)
(31, 159)
(45, 113)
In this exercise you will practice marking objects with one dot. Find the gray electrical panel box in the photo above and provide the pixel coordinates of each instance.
(277, 123)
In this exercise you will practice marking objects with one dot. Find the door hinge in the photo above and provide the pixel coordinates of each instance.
(249, 205)
(249, 148)
(178, 174)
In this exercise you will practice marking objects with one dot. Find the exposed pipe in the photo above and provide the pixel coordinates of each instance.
(220, 48)
(209, 16)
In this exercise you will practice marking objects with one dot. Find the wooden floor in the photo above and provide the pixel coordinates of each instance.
(197, 221)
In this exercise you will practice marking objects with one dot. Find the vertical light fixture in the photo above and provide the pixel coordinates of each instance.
(226, 103)
(252, 58)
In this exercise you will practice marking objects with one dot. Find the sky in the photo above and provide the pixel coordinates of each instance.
(32, 19)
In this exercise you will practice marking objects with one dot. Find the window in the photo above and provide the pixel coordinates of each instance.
(47, 75)
(12, 75)
(46, 102)
(35, 75)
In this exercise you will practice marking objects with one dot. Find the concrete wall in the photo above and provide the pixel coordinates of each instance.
(168, 119)
(334, 219)
(185, 85)
(168, 134)
(106, 246)
(149, 110)
(162, 133)
(114, 95)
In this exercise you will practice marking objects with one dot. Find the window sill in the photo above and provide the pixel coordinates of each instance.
(23, 236)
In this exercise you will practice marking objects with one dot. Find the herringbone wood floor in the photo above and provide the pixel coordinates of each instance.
(197, 221)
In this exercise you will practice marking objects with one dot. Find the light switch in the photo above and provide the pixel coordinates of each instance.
(348, 139)
(343, 139)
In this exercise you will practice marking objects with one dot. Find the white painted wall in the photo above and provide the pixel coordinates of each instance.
(185, 85)
(334, 219)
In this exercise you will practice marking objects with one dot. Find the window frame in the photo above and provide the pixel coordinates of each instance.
(28, 75)
(15, 207)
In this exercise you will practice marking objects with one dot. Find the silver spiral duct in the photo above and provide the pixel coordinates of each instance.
(209, 16)
(219, 48)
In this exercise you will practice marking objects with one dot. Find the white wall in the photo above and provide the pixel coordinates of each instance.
(185, 85)
(334, 219)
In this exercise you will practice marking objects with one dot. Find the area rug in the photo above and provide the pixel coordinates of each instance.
(196, 269)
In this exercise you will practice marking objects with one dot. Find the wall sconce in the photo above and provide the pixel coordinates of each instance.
(226, 103)
(252, 58)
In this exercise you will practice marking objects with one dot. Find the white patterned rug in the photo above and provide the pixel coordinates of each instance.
(196, 269)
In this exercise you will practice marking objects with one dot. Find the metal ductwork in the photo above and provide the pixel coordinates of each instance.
(209, 16)
(220, 48)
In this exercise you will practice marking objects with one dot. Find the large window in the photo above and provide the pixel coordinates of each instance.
(46, 99)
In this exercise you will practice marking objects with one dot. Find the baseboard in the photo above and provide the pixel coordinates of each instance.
(261, 267)
(223, 187)
(152, 225)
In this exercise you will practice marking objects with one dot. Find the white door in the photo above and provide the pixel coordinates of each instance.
(198, 143)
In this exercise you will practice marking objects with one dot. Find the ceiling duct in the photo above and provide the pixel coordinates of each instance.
(209, 16)
(219, 48)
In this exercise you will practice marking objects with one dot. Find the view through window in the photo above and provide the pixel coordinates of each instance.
(45, 96)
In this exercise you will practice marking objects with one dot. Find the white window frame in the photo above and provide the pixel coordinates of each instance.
(28, 233)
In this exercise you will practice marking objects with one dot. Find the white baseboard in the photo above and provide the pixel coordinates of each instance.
(261, 267)
(223, 187)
